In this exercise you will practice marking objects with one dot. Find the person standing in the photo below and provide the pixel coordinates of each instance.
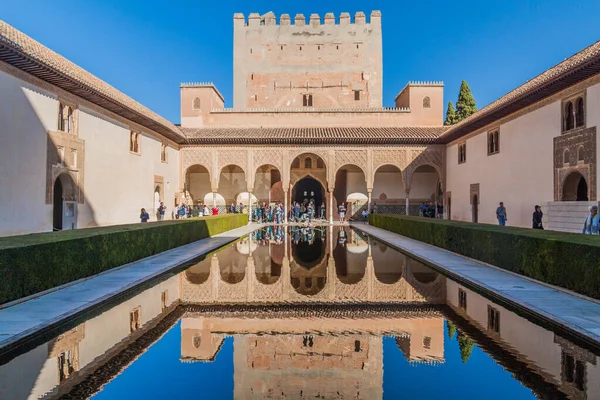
(590, 225)
(297, 211)
(161, 211)
(342, 212)
(440, 210)
(322, 211)
(232, 208)
(144, 216)
(205, 211)
(501, 214)
(537, 218)
(374, 209)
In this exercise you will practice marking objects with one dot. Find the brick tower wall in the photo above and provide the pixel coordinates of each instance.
(275, 65)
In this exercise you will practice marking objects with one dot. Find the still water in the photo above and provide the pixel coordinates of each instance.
(303, 313)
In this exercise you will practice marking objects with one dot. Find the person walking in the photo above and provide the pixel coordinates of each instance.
(590, 225)
(501, 214)
(440, 210)
(537, 218)
(144, 216)
(161, 211)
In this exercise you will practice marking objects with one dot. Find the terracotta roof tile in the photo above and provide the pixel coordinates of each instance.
(314, 136)
(574, 69)
(16, 47)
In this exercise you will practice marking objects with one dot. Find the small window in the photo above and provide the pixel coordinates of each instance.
(135, 319)
(61, 155)
(569, 116)
(579, 113)
(493, 142)
(66, 364)
(65, 118)
(426, 102)
(296, 163)
(357, 95)
(164, 300)
(251, 77)
(134, 142)
(255, 97)
(197, 103)
(250, 50)
(462, 153)
(427, 342)
(307, 100)
(493, 319)
(337, 47)
(573, 371)
(73, 158)
(357, 346)
(308, 163)
(300, 48)
(357, 46)
(318, 47)
(281, 47)
(580, 155)
(320, 163)
(163, 152)
(566, 157)
(462, 299)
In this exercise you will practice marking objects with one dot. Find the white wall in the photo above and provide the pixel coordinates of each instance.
(521, 174)
(34, 374)
(389, 183)
(117, 183)
(26, 114)
(356, 183)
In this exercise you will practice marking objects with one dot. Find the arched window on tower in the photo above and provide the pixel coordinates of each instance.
(426, 102)
(579, 113)
(580, 155)
(197, 103)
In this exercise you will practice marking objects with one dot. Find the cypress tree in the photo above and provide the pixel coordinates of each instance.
(450, 115)
(465, 105)
(451, 329)
(465, 345)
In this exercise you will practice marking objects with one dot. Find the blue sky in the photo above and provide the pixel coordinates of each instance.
(146, 48)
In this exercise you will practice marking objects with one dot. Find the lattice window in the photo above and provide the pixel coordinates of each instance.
(426, 102)
(493, 319)
(65, 118)
(134, 142)
(307, 100)
(462, 299)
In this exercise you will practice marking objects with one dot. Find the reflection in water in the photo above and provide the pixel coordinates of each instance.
(286, 324)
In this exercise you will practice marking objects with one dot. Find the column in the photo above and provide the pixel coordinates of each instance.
(331, 205)
(214, 198)
(369, 191)
(249, 206)
(286, 208)
(407, 201)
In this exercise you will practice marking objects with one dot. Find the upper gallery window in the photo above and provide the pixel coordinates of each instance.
(357, 95)
(573, 113)
(426, 102)
(163, 152)
(307, 100)
(134, 142)
(462, 153)
(65, 118)
(493, 142)
(197, 103)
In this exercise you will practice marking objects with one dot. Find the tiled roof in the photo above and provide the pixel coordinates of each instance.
(574, 69)
(314, 136)
(23, 52)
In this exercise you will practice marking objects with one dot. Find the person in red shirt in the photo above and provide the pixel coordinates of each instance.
(215, 211)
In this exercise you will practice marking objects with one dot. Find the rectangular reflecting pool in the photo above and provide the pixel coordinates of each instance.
(319, 312)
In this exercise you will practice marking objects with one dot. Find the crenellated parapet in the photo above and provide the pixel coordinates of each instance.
(315, 20)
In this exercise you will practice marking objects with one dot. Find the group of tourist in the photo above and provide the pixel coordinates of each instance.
(430, 210)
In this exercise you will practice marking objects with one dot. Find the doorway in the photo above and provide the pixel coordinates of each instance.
(475, 208)
(64, 204)
(308, 189)
(57, 222)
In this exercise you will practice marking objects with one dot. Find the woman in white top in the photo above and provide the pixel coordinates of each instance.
(205, 211)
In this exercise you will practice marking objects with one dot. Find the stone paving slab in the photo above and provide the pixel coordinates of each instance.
(571, 311)
(23, 319)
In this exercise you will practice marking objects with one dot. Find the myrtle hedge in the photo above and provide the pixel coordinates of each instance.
(36, 262)
(569, 260)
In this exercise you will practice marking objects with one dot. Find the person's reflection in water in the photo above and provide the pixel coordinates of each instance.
(296, 235)
(342, 237)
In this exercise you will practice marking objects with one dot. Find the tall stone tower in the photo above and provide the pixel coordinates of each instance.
(319, 64)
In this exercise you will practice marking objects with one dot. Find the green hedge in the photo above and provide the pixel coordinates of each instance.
(563, 259)
(36, 262)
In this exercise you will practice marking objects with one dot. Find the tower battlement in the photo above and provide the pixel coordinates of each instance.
(299, 20)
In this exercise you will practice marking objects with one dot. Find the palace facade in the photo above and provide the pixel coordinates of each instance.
(308, 122)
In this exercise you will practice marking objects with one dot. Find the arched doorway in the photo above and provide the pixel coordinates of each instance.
(575, 188)
(388, 190)
(350, 181)
(64, 205)
(475, 208)
(197, 184)
(308, 189)
(232, 181)
(268, 186)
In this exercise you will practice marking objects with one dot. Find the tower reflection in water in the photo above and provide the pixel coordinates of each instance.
(304, 312)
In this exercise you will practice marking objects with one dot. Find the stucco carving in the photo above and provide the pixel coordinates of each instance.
(192, 156)
(353, 157)
(389, 157)
(233, 157)
(268, 156)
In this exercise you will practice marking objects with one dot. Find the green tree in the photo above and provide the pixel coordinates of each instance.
(465, 344)
(465, 105)
(451, 329)
(450, 115)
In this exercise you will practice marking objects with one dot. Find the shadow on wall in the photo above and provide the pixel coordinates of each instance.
(44, 188)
